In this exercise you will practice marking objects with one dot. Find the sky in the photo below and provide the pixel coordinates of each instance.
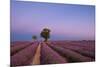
(66, 21)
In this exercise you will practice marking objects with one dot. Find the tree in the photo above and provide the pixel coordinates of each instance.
(45, 33)
(34, 37)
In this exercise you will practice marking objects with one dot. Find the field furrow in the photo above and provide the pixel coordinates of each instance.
(51, 52)
(70, 55)
(23, 57)
(49, 56)
(36, 58)
(19, 47)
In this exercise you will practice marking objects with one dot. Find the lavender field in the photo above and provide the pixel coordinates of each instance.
(52, 52)
(51, 33)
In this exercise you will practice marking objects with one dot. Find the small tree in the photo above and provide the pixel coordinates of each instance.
(45, 33)
(34, 37)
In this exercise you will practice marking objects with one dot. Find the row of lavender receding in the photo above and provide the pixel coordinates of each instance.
(85, 48)
(49, 56)
(69, 54)
(19, 46)
(55, 52)
(25, 56)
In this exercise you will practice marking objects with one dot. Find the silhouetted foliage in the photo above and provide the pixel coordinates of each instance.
(45, 33)
(34, 37)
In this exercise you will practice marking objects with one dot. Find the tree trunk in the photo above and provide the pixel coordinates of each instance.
(46, 39)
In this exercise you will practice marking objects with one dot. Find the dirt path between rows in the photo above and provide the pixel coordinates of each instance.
(36, 59)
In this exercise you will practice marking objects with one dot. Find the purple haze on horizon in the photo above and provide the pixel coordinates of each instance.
(66, 21)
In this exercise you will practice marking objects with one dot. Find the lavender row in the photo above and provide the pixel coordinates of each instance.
(49, 56)
(17, 43)
(82, 44)
(70, 55)
(19, 47)
(21, 58)
(86, 51)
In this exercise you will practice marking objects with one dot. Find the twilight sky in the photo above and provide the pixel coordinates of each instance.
(66, 21)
